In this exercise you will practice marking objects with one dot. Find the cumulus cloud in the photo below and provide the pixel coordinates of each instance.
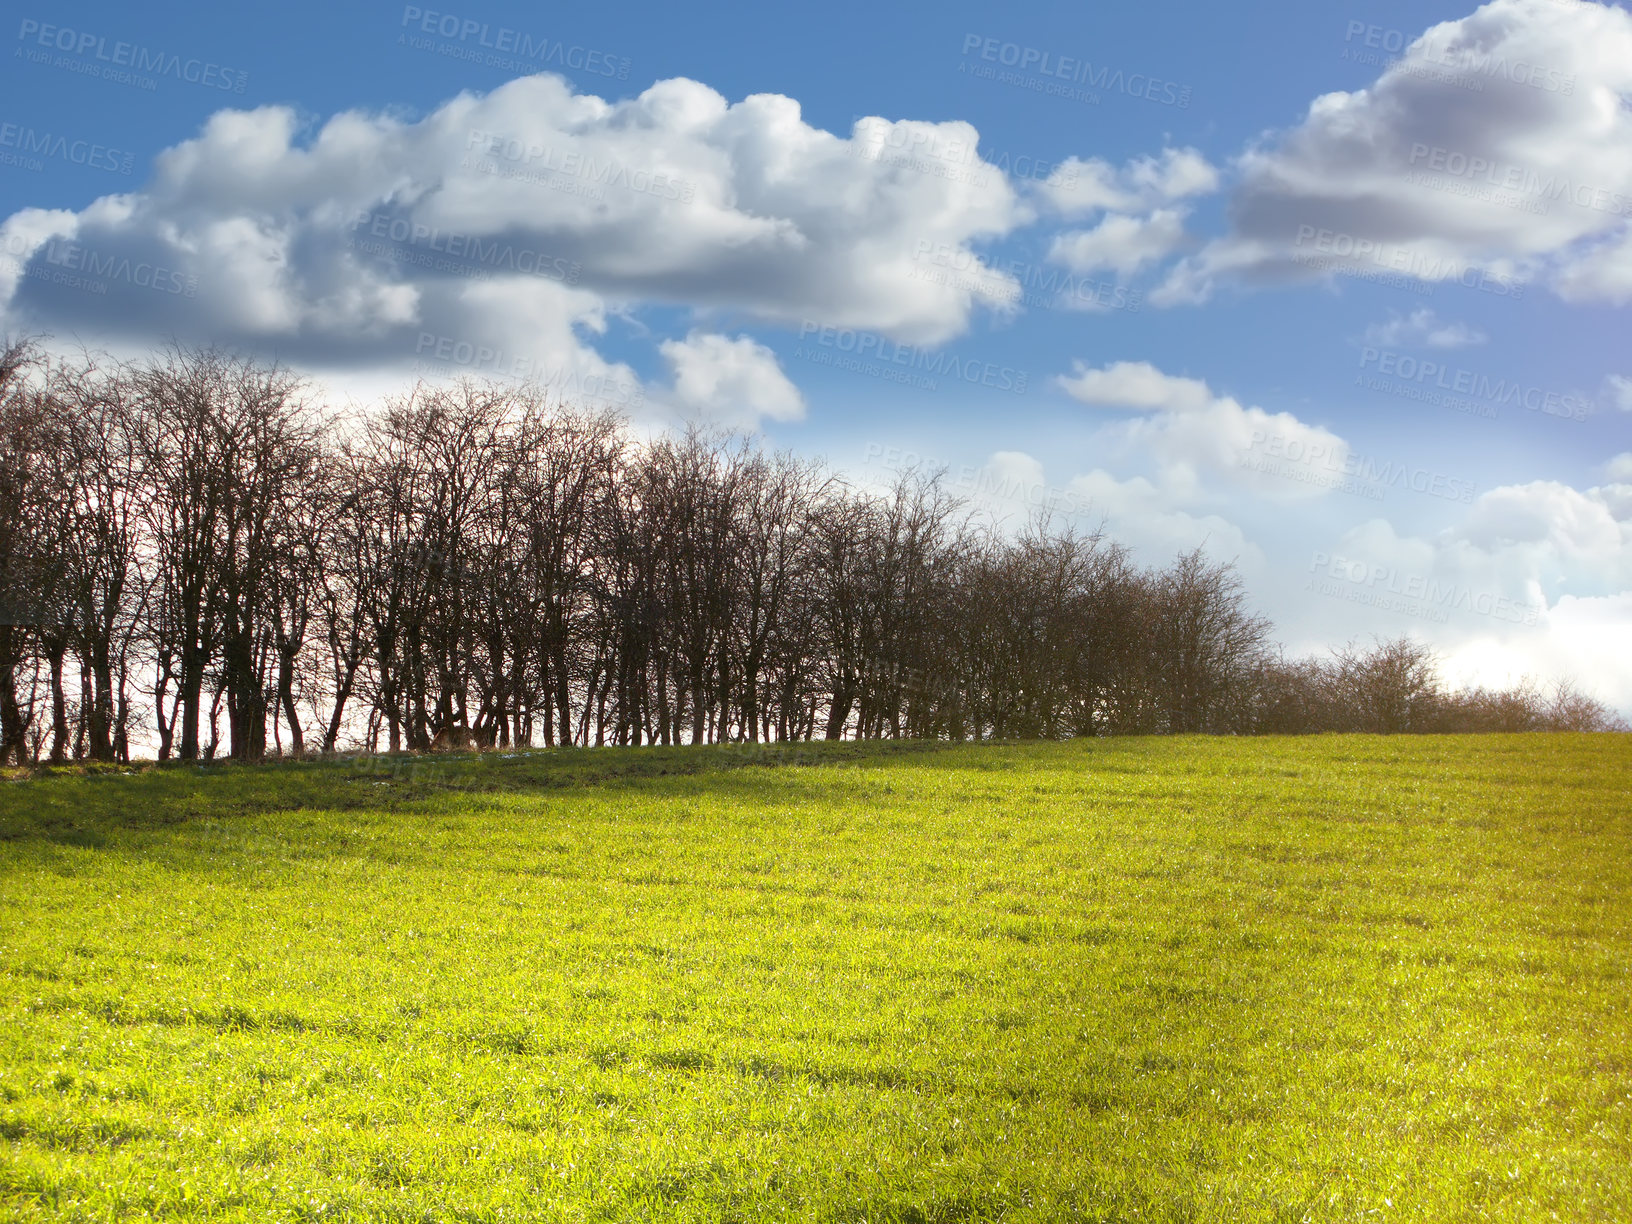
(1134, 384)
(1422, 328)
(1536, 577)
(22, 235)
(734, 381)
(1496, 147)
(1530, 543)
(1150, 517)
(1563, 524)
(1121, 243)
(1079, 187)
(498, 233)
(1194, 433)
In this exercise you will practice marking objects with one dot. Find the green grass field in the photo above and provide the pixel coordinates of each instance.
(1133, 980)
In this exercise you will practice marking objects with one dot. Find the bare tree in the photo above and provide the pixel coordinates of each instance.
(25, 447)
(1205, 643)
(476, 564)
(1392, 687)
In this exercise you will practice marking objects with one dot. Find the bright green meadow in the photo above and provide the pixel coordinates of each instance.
(1202, 979)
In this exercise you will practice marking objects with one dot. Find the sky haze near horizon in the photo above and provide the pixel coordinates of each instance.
(1339, 294)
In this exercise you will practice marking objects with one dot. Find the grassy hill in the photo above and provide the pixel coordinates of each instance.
(1333, 978)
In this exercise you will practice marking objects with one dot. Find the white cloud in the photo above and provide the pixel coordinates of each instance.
(1536, 578)
(734, 381)
(1122, 243)
(1620, 391)
(21, 236)
(498, 233)
(1135, 384)
(1599, 271)
(1226, 438)
(1149, 517)
(1497, 146)
(1010, 488)
(1423, 328)
(1584, 641)
(1176, 175)
(1564, 524)
(1196, 435)
(1620, 468)
(1530, 543)
(1079, 187)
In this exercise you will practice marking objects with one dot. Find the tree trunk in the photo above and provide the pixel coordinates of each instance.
(286, 697)
(59, 706)
(191, 695)
(13, 731)
(102, 711)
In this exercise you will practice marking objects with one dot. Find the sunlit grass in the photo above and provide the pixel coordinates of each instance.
(1163, 979)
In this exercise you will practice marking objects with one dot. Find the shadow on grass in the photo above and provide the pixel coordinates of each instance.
(89, 807)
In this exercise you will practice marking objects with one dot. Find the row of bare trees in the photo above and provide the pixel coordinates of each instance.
(1395, 687)
(195, 559)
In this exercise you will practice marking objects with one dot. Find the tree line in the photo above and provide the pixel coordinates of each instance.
(198, 558)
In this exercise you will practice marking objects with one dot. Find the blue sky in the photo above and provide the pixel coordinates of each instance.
(1231, 390)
